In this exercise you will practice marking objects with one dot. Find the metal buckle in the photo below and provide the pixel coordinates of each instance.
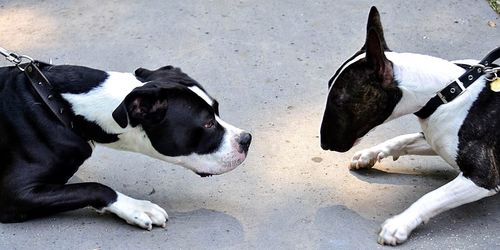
(461, 85)
(441, 96)
(450, 89)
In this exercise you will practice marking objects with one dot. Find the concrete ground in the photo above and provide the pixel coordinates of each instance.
(268, 63)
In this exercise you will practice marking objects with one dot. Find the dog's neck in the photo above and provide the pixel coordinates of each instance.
(98, 104)
(419, 77)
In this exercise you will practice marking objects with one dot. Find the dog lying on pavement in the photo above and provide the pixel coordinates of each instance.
(377, 85)
(162, 113)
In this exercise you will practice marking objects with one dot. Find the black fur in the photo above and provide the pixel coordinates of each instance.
(479, 148)
(38, 154)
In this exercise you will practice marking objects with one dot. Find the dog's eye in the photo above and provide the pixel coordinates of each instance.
(209, 124)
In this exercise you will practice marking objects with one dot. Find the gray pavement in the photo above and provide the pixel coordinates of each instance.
(268, 63)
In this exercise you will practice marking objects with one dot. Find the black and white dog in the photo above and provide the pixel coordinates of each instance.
(377, 85)
(162, 113)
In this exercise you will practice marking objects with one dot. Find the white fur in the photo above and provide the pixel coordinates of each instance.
(98, 104)
(419, 78)
(402, 145)
(137, 212)
(455, 193)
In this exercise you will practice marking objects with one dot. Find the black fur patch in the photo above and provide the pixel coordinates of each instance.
(479, 141)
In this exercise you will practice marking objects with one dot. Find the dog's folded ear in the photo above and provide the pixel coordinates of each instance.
(142, 72)
(144, 105)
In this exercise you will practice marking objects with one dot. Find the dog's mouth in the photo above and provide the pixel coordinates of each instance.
(203, 175)
(340, 145)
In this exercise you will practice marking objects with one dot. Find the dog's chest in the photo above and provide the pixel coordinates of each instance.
(442, 128)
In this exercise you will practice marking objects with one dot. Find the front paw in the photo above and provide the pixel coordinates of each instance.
(147, 214)
(141, 213)
(394, 231)
(368, 157)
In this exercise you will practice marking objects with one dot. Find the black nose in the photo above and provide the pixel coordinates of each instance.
(324, 146)
(244, 141)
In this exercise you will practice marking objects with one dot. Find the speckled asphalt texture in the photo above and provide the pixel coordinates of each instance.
(268, 63)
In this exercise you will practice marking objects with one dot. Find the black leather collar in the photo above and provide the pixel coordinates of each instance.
(457, 87)
(53, 100)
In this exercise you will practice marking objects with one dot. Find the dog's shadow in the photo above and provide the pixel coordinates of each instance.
(413, 177)
(338, 227)
(194, 229)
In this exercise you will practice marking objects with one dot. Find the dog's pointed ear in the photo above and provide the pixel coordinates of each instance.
(374, 51)
(377, 60)
(145, 106)
(375, 24)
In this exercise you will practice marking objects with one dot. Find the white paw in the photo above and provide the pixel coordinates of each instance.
(368, 157)
(394, 231)
(142, 213)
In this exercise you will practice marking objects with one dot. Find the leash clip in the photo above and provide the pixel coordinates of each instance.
(491, 76)
(492, 73)
(15, 58)
(29, 61)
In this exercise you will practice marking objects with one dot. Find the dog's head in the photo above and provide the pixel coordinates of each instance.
(172, 118)
(362, 93)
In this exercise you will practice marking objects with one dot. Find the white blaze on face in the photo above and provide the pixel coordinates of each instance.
(202, 94)
(347, 64)
(226, 157)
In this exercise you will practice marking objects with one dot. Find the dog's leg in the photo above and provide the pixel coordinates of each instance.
(49, 199)
(142, 213)
(455, 193)
(410, 144)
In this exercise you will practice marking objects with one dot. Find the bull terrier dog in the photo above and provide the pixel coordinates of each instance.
(459, 123)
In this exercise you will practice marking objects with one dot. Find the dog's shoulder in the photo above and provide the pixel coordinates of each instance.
(28, 132)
